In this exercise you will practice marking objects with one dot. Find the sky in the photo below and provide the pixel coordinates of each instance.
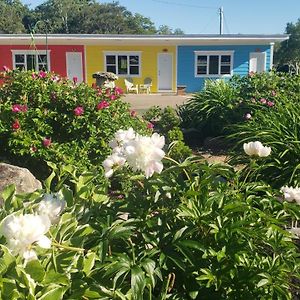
(201, 17)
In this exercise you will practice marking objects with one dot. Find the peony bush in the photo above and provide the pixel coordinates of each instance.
(186, 231)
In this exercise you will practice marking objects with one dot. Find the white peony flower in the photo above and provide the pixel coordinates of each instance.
(122, 137)
(145, 153)
(256, 149)
(22, 231)
(291, 194)
(112, 162)
(52, 205)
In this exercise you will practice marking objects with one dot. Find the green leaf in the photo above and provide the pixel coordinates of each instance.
(137, 283)
(35, 270)
(53, 293)
(262, 282)
(52, 276)
(88, 263)
(7, 195)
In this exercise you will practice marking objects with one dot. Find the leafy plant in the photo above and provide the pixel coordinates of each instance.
(45, 117)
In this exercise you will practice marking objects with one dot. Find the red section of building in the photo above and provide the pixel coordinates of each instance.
(57, 56)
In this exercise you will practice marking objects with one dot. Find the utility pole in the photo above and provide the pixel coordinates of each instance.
(221, 14)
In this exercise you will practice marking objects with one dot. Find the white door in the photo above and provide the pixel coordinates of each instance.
(74, 65)
(257, 63)
(165, 72)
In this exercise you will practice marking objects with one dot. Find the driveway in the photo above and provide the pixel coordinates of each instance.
(142, 102)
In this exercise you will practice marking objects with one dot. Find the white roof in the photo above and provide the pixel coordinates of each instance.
(122, 39)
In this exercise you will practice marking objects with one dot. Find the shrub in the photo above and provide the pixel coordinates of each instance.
(163, 119)
(275, 122)
(45, 117)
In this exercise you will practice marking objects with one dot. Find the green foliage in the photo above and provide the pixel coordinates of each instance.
(213, 108)
(48, 128)
(276, 126)
(164, 119)
(193, 232)
(178, 150)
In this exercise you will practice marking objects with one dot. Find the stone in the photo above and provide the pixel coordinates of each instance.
(22, 178)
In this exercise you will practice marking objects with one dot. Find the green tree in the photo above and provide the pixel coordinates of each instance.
(165, 29)
(288, 53)
(11, 14)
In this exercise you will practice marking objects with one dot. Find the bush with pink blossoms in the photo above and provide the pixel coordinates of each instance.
(62, 120)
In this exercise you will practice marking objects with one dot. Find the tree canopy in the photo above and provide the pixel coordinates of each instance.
(76, 16)
(288, 52)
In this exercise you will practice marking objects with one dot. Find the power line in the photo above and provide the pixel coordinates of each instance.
(183, 4)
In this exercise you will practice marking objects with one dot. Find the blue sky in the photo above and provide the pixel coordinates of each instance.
(199, 16)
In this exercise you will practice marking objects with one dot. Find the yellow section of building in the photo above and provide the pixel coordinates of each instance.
(95, 62)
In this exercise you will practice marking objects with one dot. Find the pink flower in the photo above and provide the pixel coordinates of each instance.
(53, 96)
(273, 93)
(16, 108)
(248, 116)
(42, 74)
(78, 111)
(46, 142)
(103, 104)
(113, 97)
(33, 75)
(150, 125)
(263, 100)
(75, 79)
(270, 103)
(133, 113)
(118, 90)
(108, 91)
(5, 69)
(16, 125)
(55, 78)
(251, 74)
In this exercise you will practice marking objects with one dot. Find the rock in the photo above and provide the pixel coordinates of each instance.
(24, 181)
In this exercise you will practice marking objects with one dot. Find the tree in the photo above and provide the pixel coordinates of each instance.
(288, 53)
(11, 14)
(165, 29)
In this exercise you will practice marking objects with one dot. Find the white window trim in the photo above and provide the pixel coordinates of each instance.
(219, 53)
(35, 52)
(127, 53)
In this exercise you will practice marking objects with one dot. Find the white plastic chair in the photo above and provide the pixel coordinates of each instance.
(147, 85)
(130, 87)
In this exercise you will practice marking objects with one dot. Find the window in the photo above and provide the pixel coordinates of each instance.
(123, 64)
(213, 63)
(30, 60)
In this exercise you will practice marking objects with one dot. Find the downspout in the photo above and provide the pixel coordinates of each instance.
(271, 55)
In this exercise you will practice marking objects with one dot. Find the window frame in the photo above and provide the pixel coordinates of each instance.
(213, 53)
(36, 53)
(116, 54)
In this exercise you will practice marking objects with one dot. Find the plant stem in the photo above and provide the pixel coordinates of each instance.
(67, 247)
(178, 164)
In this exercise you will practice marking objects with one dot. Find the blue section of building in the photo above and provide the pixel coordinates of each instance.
(186, 62)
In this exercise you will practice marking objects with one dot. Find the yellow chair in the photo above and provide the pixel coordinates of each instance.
(130, 87)
(146, 86)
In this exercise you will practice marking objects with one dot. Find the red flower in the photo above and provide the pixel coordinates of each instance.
(75, 79)
(33, 148)
(46, 142)
(5, 69)
(150, 125)
(113, 97)
(78, 111)
(133, 113)
(16, 125)
(16, 108)
(103, 104)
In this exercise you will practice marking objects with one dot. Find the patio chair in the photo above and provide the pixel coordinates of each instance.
(147, 85)
(130, 86)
